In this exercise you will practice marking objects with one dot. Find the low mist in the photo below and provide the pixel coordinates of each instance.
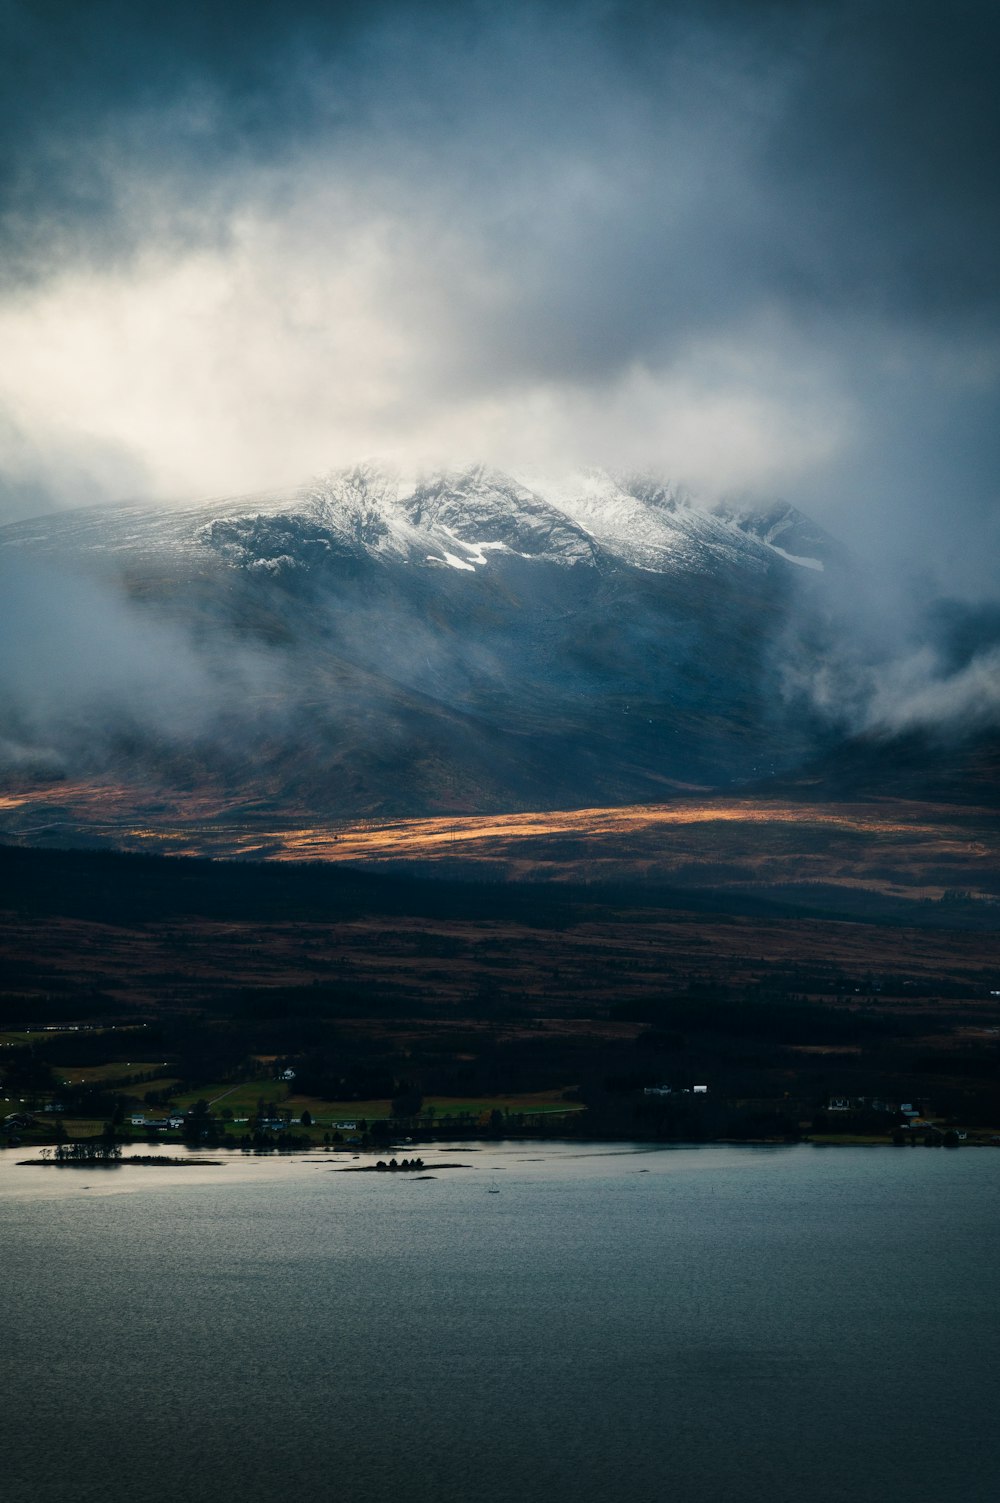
(89, 674)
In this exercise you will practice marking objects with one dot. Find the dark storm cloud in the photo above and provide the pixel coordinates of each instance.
(182, 91)
(781, 216)
(872, 129)
(895, 147)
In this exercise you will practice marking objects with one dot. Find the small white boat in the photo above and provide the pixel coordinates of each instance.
(494, 1188)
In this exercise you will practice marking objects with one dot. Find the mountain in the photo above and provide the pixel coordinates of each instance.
(589, 518)
(465, 640)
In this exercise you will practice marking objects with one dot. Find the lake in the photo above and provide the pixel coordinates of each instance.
(618, 1323)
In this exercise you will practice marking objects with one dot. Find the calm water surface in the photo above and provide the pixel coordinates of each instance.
(703, 1325)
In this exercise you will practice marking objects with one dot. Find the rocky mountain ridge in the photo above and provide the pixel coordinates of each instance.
(455, 518)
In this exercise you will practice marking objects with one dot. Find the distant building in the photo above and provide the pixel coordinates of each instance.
(666, 1090)
(859, 1104)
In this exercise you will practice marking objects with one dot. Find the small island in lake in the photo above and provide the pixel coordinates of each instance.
(101, 1152)
(396, 1166)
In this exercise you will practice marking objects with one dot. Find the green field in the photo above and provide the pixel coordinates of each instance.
(115, 1070)
(241, 1099)
(242, 1102)
(536, 1103)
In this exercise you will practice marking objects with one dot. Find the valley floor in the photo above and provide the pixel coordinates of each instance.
(874, 856)
(137, 984)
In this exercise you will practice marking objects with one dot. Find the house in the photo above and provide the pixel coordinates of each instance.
(666, 1090)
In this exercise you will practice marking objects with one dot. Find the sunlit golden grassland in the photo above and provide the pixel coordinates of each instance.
(894, 847)
(581, 968)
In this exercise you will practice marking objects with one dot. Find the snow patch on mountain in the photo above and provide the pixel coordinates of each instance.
(804, 563)
(783, 529)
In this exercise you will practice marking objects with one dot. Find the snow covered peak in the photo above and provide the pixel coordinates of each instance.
(464, 519)
(489, 510)
(649, 524)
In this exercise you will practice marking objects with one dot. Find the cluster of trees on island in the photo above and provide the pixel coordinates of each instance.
(102, 1150)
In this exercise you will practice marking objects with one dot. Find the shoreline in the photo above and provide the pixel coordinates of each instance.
(317, 1153)
(145, 1159)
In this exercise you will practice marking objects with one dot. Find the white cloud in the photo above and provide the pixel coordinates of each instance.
(920, 691)
(342, 327)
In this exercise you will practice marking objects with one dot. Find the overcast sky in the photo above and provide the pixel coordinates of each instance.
(754, 245)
